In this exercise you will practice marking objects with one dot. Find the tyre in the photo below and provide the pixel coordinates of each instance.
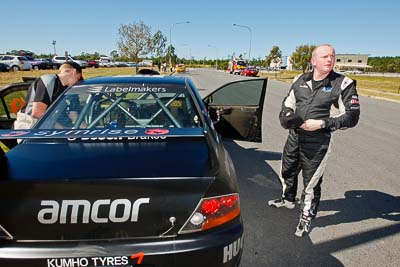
(36, 67)
(15, 68)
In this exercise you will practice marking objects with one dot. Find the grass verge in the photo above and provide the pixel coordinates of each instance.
(383, 87)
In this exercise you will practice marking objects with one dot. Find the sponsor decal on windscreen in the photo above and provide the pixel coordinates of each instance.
(103, 134)
(128, 88)
(133, 89)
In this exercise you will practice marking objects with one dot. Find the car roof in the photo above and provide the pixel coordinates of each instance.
(158, 79)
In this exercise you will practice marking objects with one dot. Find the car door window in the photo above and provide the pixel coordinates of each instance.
(243, 93)
(12, 100)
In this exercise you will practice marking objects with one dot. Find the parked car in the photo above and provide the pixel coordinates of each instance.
(145, 63)
(51, 64)
(16, 63)
(38, 64)
(61, 59)
(249, 71)
(131, 64)
(121, 64)
(106, 62)
(4, 67)
(353, 72)
(147, 72)
(93, 64)
(180, 68)
(139, 177)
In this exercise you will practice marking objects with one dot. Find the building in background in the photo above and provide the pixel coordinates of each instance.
(352, 62)
(282, 64)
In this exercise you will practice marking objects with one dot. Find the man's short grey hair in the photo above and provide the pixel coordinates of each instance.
(318, 46)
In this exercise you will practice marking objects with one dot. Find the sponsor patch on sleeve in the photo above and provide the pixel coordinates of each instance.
(354, 102)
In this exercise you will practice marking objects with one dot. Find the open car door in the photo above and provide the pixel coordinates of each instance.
(236, 109)
(12, 99)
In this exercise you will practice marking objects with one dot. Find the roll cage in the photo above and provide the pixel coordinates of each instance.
(125, 110)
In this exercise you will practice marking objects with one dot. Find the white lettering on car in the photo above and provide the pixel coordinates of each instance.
(232, 250)
(88, 133)
(70, 262)
(84, 262)
(82, 211)
(130, 89)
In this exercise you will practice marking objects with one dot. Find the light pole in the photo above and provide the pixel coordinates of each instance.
(247, 27)
(190, 53)
(170, 40)
(54, 44)
(216, 60)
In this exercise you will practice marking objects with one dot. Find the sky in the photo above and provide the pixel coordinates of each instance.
(351, 26)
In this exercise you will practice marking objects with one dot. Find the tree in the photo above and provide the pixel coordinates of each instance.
(275, 56)
(134, 40)
(171, 51)
(302, 56)
(384, 64)
(159, 42)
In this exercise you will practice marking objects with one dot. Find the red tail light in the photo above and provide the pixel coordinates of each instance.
(229, 201)
(212, 212)
(210, 206)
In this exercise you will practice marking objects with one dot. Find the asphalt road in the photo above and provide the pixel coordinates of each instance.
(359, 219)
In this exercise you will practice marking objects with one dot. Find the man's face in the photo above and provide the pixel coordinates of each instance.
(323, 59)
(71, 76)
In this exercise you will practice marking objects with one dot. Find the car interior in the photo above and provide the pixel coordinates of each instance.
(123, 110)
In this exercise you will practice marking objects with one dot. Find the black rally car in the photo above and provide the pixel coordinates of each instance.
(128, 171)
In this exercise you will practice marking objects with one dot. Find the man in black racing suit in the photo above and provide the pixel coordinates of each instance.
(306, 111)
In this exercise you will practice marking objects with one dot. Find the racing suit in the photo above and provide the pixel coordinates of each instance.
(308, 151)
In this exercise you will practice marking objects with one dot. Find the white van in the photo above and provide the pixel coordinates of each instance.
(106, 62)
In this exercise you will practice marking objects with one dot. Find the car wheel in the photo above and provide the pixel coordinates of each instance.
(36, 67)
(55, 67)
(15, 68)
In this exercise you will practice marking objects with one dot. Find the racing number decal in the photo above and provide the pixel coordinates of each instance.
(156, 131)
(16, 104)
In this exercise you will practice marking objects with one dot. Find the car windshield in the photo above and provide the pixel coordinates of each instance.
(123, 106)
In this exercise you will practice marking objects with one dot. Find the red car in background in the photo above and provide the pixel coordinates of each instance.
(93, 64)
(249, 71)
